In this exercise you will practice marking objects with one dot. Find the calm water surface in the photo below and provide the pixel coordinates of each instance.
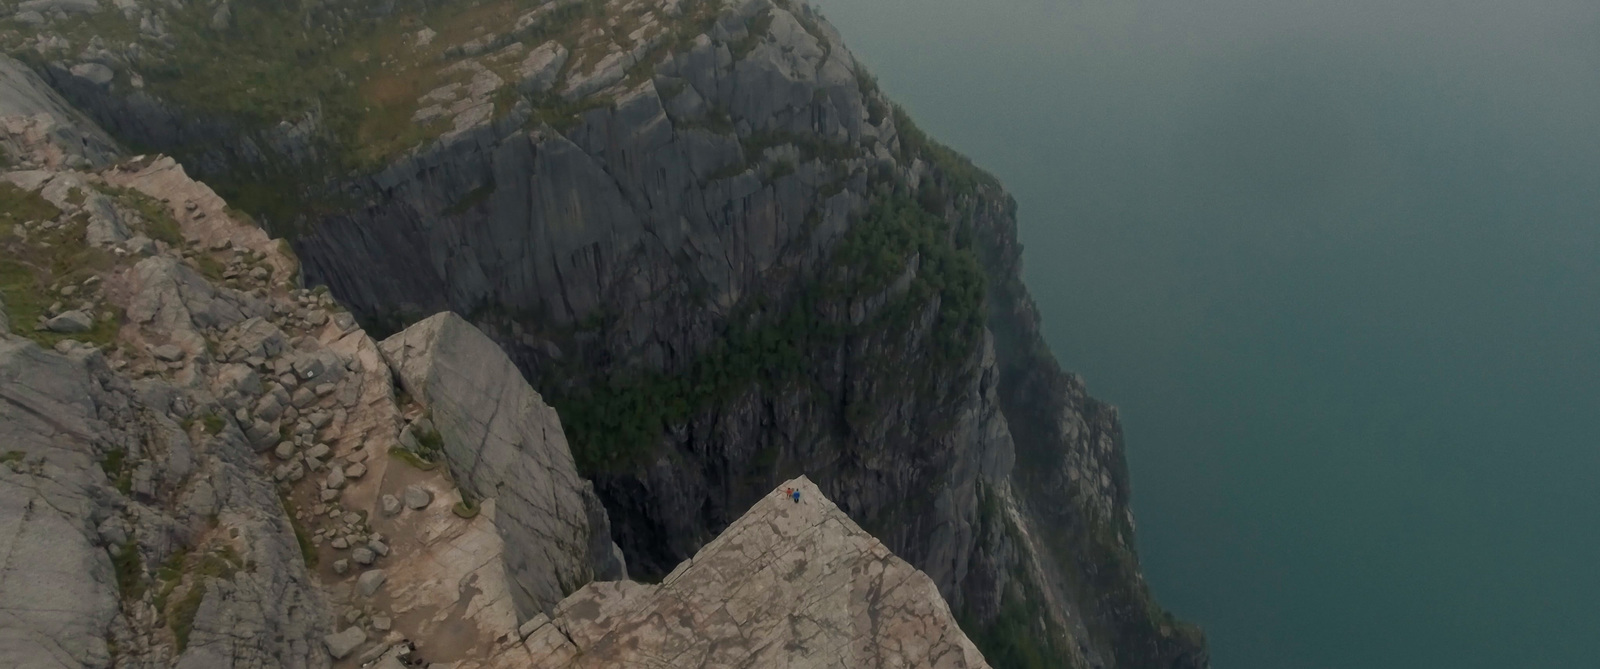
(1339, 264)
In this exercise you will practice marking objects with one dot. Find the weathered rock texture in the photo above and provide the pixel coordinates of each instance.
(58, 595)
(39, 119)
(790, 584)
(136, 527)
(503, 442)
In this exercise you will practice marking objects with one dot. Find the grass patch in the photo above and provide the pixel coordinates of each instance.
(129, 570)
(466, 509)
(17, 206)
(181, 618)
(158, 221)
(412, 459)
(221, 562)
(170, 575)
(33, 263)
(214, 423)
(563, 115)
(471, 200)
(308, 550)
(11, 456)
(117, 471)
(209, 267)
(758, 28)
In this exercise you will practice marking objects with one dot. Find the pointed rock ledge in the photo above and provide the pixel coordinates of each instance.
(502, 441)
(790, 584)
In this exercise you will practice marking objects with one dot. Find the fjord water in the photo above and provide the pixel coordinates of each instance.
(1338, 263)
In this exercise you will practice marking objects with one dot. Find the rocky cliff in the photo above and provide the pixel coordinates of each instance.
(212, 468)
(502, 441)
(702, 233)
(792, 583)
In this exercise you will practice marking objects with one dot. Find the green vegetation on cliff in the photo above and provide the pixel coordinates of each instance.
(615, 422)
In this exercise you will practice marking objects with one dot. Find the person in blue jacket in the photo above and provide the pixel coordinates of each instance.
(794, 494)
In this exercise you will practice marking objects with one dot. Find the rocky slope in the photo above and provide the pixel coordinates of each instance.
(197, 471)
(707, 239)
(210, 467)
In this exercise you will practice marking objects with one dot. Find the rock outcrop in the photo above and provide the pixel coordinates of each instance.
(502, 441)
(37, 118)
(790, 584)
(58, 594)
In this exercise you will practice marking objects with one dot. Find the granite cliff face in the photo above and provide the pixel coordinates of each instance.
(211, 467)
(704, 236)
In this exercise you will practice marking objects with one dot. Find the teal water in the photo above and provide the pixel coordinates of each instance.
(1339, 264)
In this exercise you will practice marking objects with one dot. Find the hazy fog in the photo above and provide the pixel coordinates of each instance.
(1339, 263)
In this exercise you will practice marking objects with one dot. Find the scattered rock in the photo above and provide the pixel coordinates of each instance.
(336, 477)
(309, 367)
(141, 245)
(389, 504)
(70, 322)
(355, 471)
(381, 623)
(538, 71)
(341, 543)
(285, 450)
(341, 567)
(363, 556)
(369, 582)
(376, 546)
(342, 644)
(417, 497)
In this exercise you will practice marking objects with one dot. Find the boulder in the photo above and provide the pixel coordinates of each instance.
(539, 69)
(237, 378)
(336, 479)
(390, 505)
(417, 497)
(258, 337)
(70, 322)
(342, 644)
(369, 582)
(105, 226)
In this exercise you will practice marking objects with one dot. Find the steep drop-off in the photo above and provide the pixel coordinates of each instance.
(708, 240)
